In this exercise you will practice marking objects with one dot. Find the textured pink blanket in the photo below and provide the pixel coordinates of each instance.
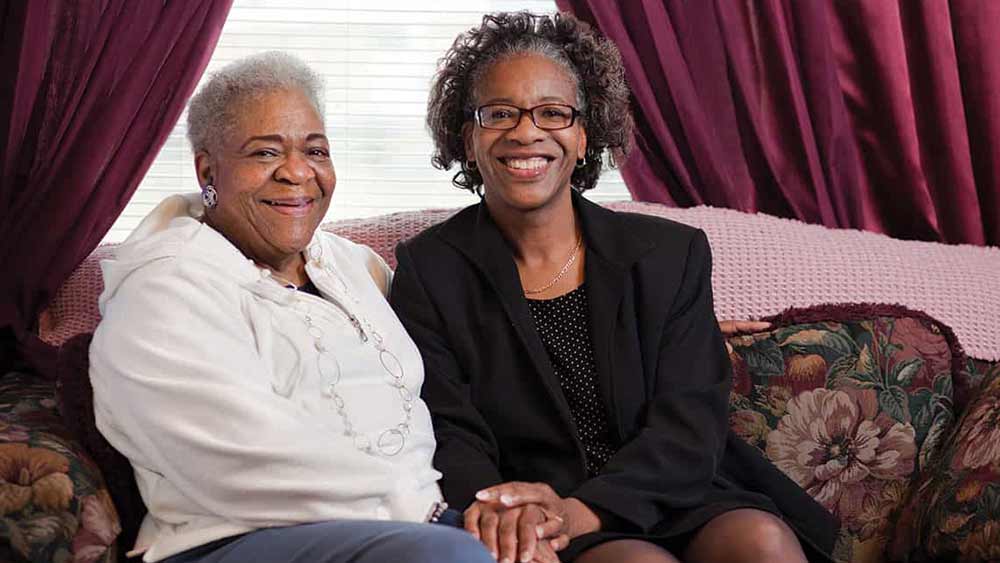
(763, 265)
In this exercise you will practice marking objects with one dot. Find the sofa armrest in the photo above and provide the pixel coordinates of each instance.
(53, 501)
(953, 512)
(853, 402)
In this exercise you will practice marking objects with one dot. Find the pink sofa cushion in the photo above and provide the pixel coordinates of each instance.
(73, 310)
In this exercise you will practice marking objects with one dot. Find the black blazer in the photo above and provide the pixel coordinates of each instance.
(498, 411)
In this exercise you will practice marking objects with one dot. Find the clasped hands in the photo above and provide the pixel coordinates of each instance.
(527, 522)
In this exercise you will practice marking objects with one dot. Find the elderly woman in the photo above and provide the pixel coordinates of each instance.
(249, 366)
(576, 375)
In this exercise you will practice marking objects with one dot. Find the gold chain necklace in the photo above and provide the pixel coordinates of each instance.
(562, 272)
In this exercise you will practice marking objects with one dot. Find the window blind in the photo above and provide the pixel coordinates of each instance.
(377, 58)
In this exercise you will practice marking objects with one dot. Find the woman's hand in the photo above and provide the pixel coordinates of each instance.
(732, 328)
(522, 533)
(546, 553)
(573, 517)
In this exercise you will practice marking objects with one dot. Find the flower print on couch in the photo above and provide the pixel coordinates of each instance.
(54, 505)
(33, 475)
(11, 430)
(978, 438)
(838, 446)
(98, 530)
(955, 513)
(854, 403)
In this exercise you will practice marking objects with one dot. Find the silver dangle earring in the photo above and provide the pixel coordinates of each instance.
(581, 162)
(209, 196)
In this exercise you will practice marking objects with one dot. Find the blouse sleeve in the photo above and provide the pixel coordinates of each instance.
(467, 452)
(672, 460)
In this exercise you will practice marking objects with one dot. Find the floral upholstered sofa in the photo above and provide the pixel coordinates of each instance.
(877, 389)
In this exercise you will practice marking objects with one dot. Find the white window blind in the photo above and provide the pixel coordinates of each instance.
(377, 58)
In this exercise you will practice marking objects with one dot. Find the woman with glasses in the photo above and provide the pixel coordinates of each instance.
(249, 366)
(576, 375)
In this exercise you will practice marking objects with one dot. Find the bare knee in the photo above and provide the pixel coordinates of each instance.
(626, 551)
(772, 540)
(745, 535)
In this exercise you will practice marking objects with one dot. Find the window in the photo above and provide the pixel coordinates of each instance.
(377, 58)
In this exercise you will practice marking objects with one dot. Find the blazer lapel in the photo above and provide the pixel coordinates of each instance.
(605, 287)
(611, 251)
(489, 251)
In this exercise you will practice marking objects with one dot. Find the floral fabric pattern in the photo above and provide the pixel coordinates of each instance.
(53, 503)
(853, 411)
(954, 513)
(838, 448)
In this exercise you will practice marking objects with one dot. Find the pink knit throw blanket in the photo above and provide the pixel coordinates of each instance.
(762, 266)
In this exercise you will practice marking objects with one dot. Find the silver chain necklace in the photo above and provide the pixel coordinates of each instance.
(391, 440)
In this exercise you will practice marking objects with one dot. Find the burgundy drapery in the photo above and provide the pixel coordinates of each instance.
(90, 92)
(882, 116)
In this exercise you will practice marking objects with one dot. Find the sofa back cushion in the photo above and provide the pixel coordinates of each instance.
(762, 265)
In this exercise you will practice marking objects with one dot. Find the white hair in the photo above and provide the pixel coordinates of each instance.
(213, 109)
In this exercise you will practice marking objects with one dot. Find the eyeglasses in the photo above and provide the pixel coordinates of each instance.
(550, 117)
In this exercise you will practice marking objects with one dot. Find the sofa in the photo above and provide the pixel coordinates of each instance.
(877, 388)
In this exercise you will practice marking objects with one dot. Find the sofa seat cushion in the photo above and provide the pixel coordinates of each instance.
(954, 513)
(54, 505)
(853, 408)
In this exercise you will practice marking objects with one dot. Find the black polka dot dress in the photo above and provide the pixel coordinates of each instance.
(563, 323)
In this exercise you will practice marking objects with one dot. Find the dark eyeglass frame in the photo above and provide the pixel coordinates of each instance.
(478, 113)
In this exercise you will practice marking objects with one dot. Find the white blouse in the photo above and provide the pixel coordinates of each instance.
(214, 380)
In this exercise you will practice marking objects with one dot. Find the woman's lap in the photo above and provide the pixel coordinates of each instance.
(342, 541)
(679, 540)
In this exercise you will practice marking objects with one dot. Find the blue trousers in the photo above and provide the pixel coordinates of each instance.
(344, 541)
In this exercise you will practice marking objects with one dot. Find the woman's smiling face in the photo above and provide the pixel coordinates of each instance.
(525, 168)
(273, 174)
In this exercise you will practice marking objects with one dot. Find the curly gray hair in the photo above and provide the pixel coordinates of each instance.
(212, 110)
(593, 61)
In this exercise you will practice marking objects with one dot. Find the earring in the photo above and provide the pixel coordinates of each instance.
(209, 196)
(581, 162)
(471, 165)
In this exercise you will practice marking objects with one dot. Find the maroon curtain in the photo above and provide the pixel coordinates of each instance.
(90, 91)
(875, 115)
